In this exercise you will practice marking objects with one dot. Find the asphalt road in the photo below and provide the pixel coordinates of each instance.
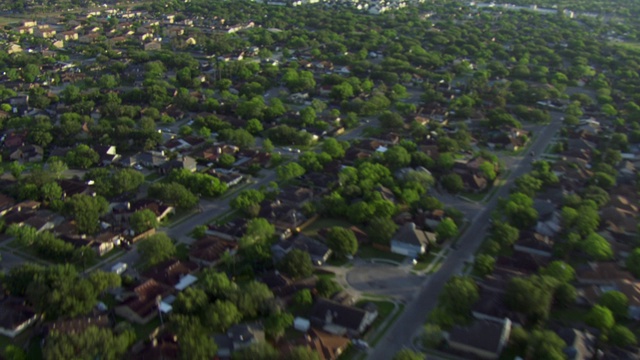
(410, 322)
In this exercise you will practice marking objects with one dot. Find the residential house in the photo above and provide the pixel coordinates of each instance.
(152, 46)
(27, 153)
(410, 241)
(295, 196)
(173, 273)
(326, 345)
(491, 306)
(283, 287)
(522, 262)
(209, 250)
(142, 304)
(472, 178)
(72, 187)
(183, 162)
(343, 320)
(619, 220)
(534, 244)
(239, 337)
(232, 230)
(164, 347)
(581, 345)
(318, 251)
(601, 273)
(15, 316)
(6, 204)
(482, 339)
(108, 154)
(79, 324)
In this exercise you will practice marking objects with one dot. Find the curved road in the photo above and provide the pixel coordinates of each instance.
(410, 322)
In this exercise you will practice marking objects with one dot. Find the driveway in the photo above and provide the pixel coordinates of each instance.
(383, 280)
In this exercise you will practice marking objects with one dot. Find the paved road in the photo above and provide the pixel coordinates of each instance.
(415, 314)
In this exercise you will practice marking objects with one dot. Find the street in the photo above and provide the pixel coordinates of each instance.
(410, 322)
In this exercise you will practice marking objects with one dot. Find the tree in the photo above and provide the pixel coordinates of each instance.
(446, 229)
(597, 247)
(13, 352)
(254, 126)
(531, 296)
(520, 212)
(332, 147)
(86, 210)
(303, 297)
(545, 345)
(621, 336)
(559, 270)
(195, 342)
(633, 262)
(16, 169)
(452, 183)
(257, 351)
(600, 317)
(484, 264)
(381, 230)
(432, 336)
(615, 301)
(327, 287)
(297, 264)
(221, 315)
(226, 161)
(406, 354)
(248, 201)
(252, 298)
(91, 343)
(342, 241)
(157, 248)
(457, 297)
(302, 353)
(143, 220)
(277, 323)
(82, 157)
(397, 157)
(505, 234)
(173, 193)
(289, 171)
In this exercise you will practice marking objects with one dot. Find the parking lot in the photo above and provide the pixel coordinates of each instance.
(384, 280)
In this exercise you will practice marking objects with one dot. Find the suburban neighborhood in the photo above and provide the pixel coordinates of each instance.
(319, 180)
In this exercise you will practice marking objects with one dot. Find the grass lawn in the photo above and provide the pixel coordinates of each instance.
(324, 223)
(369, 252)
(423, 264)
(571, 315)
(477, 197)
(153, 177)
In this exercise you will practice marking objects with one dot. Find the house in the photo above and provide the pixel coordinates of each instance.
(152, 159)
(6, 204)
(549, 224)
(410, 241)
(239, 337)
(522, 262)
(27, 153)
(491, 306)
(601, 273)
(339, 319)
(15, 316)
(283, 287)
(79, 324)
(619, 220)
(232, 230)
(164, 346)
(72, 187)
(535, 244)
(142, 304)
(108, 154)
(318, 251)
(326, 345)
(209, 250)
(173, 273)
(183, 162)
(482, 339)
(295, 196)
(581, 345)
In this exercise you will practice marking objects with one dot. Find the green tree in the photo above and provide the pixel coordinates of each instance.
(91, 343)
(446, 229)
(483, 264)
(303, 297)
(195, 342)
(297, 264)
(545, 345)
(143, 220)
(520, 212)
(342, 241)
(157, 248)
(82, 157)
(327, 287)
(458, 296)
(633, 262)
(531, 296)
(559, 270)
(221, 315)
(173, 193)
(332, 147)
(615, 301)
(600, 317)
(289, 171)
(504, 234)
(277, 323)
(257, 351)
(452, 183)
(258, 230)
(381, 230)
(597, 247)
(248, 201)
(621, 336)
(86, 210)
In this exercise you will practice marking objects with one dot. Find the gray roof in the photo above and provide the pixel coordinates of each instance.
(410, 235)
(483, 335)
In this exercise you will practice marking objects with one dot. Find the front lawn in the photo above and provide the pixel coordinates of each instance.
(369, 252)
(323, 223)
